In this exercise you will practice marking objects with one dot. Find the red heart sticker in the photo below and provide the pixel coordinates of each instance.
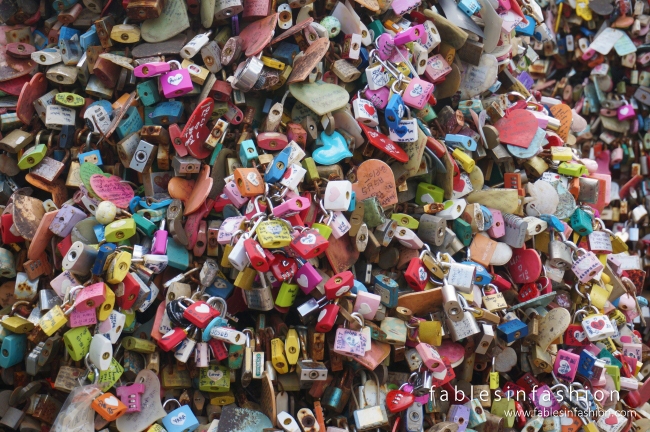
(518, 128)
(598, 325)
(385, 144)
(398, 400)
(611, 420)
(370, 109)
(195, 132)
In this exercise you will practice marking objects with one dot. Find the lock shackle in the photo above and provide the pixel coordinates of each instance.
(494, 287)
(603, 227)
(18, 303)
(69, 298)
(359, 318)
(389, 67)
(249, 335)
(223, 309)
(91, 366)
(171, 400)
(579, 312)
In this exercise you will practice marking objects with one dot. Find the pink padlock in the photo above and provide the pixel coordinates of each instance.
(130, 396)
(411, 34)
(255, 206)
(176, 82)
(586, 266)
(437, 69)
(291, 206)
(498, 228)
(625, 112)
(430, 357)
(232, 191)
(626, 302)
(308, 278)
(228, 228)
(148, 70)
(159, 242)
(367, 304)
(82, 318)
(504, 5)
(544, 400)
(379, 97)
(91, 297)
(566, 365)
(385, 46)
(417, 93)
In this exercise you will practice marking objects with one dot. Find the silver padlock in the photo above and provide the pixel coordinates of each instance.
(247, 74)
(47, 299)
(260, 298)
(450, 302)
(559, 253)
(465, 327)
(79, 259)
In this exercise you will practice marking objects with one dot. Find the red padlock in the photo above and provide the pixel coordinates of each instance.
(528, 291)
(416, 274)
(339, 284)
(172, 339)
(127, 292)
(309, 244)
(218, 349)
(256, 255)
(200, 313)
(284, 267)
(327, 317)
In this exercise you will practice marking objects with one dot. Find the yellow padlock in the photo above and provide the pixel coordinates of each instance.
(273, 234)
(280, 363)
(119, 267)
(107, 306)
(464, 160)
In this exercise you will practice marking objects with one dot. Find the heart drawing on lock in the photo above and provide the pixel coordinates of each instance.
(215, 375)
(303, 281)
(416, 91)
(370, 109)
(112, 401)
(364, 309)
(611, 420)
(179, 419)
(579, 335)
(309, 239)
(623, 110)
(598, 324)
(202, 309)
(175, 79)
(342, 290)
(334, 194)
(564, 368)
(545, 399)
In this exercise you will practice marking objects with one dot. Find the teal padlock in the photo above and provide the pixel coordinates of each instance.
(130, 123)
(581, 222)
(436, 193)
(376, 29)
(148, 92)
(247, 153)
(145, 225)
(148, 112)
(235, 356)
(12, 350)
(463, 231)
(167, 113)
(178, 255)
(387, 289)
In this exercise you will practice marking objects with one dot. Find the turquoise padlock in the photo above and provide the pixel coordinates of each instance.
(13, 349)
(89, 38)
(581, 222)
(247, 153)
(131, 123)
(216, 322)
(275, 170)
(553, 222)
(167, 113)
(178, 255)
(353, 202)
(145, 225)
(331, 149)
(148, 92)
(388, 289)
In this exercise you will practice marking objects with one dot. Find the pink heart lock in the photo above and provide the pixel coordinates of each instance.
(379, 97)
(112, 189)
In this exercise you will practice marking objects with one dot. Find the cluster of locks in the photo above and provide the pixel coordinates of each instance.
(324, 216)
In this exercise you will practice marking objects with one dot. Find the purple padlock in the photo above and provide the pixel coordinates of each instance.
(307, 277)
(232, 191)
(159, 242)
(411, 34)
(379, 97)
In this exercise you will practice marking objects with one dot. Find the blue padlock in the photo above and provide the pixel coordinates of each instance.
(89, 38)
(275, 170)
(266, 108)
(59, 155)
(130, 123)
(99, 230)
(482, 276)
(463, 141)
(40, 40)
(358, 287)
(148, 92)
(155, 205)
(216, 322)
(512, 330)
(394, 112)
(526, 29)
(488, 219)
(182, 419)
(166, 113)
(178, 255)
(388, 289)
(102, 254)
(247, 153)
(13, 350)
(221, 287)
(66, 33)
(353, 202)
(104, 104)
(553, 222)
(586, 364)
(93, 157)
(285, 52)
(469, 7)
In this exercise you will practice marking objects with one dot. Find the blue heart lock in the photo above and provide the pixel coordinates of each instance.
(333, 150)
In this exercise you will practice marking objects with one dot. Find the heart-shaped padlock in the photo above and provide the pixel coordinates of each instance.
(399, 400)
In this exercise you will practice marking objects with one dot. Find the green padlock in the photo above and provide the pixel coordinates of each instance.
(504, 408)
(130, 322)
(322, 229)
(214, 378)
(463, 231)
(120, 230)
(110, 376)
(77, 342)
(426, 114)
(144, 224)
(312, 173)
(138, 345)
(572, 169)
(286, 295)
(581, 222)
(373, 213)
(614, 372)
(406, 221)
(436, 193)
(235, 356)
(32, 156)
(376, 29)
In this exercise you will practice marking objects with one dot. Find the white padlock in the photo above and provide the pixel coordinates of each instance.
(338, 195)
(117, 321)
(101, 352)
(287, 422)
(365, 112)
(193, 46)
